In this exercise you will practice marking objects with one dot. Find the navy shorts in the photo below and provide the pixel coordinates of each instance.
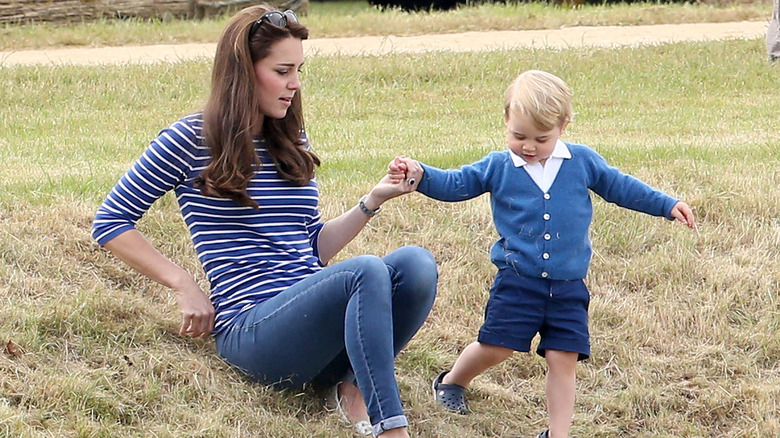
(520, 307)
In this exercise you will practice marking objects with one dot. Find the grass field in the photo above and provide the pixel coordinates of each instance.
(358, 18)
(684, 324)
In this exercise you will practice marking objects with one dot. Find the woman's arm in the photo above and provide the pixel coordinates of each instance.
(196, 309)
(164, 164)
(339, 231)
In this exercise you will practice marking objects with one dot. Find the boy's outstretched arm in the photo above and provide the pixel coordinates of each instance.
(683, 213)
(452, 185)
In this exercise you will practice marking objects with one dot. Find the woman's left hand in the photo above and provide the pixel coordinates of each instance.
(399, 180)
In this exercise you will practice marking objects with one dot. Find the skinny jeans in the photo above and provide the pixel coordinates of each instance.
(347, 321)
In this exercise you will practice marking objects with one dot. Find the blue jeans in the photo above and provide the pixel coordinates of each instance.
(349, 319)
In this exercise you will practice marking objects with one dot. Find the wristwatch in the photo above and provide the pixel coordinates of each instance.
(365, 210)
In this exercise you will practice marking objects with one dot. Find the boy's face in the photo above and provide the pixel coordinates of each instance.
(527, 141)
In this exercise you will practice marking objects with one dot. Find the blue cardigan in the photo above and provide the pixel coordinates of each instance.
(544, 235)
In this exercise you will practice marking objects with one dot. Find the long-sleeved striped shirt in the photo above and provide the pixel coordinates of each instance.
(249, 255)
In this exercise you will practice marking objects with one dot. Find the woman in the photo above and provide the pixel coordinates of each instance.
(243, 174)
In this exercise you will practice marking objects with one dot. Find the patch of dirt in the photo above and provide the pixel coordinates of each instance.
(567, 37)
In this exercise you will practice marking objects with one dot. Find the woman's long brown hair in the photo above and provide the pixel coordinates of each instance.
(232, 113)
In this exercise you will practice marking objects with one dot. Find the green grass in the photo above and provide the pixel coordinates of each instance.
(358, 18)
(684, 324)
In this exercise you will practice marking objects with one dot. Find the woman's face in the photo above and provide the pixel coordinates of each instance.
(278, 77)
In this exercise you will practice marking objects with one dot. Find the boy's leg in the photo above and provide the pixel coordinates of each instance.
(561, 387)
(513, 315)
(449, 387)
(475, 359)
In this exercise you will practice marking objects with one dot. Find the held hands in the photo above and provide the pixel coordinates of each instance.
(403, 175)
(683, 213)
(197, 312)
(405, 169)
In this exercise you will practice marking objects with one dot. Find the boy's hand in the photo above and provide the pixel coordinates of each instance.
(397, 182)
(683, 213)
(396, 170)
(411, 170)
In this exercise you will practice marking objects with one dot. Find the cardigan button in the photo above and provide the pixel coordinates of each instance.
(546, 216)
(547, 236)
(544, 274)
(546, 256)
(546, 196)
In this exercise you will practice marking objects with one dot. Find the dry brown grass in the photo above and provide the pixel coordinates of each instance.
(684, 324)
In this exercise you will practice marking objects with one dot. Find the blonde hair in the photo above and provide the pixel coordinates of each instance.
(543, 96)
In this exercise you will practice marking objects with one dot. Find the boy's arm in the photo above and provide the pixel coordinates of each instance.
(451, 185)
(630, 192)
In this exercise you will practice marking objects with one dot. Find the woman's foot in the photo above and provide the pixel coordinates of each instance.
(349, 403)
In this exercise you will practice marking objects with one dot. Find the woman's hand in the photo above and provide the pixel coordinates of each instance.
(339, 231)
(403, 176)
(197, 312)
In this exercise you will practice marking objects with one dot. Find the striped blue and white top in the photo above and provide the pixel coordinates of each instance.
(249, 255)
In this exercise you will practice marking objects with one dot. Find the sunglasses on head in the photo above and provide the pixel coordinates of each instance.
(276, 18)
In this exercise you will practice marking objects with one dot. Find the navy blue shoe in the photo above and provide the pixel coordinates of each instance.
(545, 434)
(449, 395)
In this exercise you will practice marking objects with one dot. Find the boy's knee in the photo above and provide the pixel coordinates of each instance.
(495, 352)
(561, 361)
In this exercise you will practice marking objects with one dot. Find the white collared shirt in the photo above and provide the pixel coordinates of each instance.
(544, 175)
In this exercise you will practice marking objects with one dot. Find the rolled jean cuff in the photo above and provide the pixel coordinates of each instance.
(390, 423)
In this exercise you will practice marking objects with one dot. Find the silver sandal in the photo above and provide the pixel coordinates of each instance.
(362, 427)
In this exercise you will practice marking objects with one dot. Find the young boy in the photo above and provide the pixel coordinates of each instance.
(542, 210)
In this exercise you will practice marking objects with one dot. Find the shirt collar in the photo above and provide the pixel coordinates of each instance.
(560, 151)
